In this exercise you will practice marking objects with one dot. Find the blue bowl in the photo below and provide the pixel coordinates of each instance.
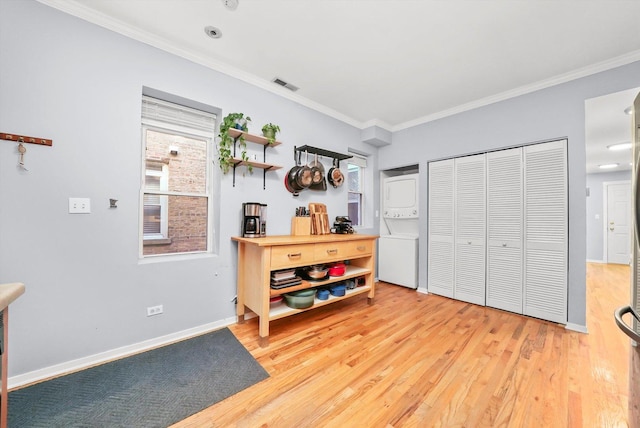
(322, 294)
(338, 290)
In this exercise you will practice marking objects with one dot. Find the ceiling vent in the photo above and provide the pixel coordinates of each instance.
(281, 82)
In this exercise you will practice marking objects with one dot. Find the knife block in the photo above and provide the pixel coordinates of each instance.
(300, 226)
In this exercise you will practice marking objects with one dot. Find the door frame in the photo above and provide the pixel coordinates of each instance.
(605, 219)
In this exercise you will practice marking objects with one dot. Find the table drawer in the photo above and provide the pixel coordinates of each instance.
(291, 256)
(343, 250)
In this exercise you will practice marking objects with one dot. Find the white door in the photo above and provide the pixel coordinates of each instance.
(617, 223)
(545, 231)
(470, 229)
(504, 230)
(440, 268)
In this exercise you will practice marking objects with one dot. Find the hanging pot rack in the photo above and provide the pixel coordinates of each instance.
(297, 151)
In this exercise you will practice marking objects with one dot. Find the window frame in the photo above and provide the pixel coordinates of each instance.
(163, 235)
(360, 161)
(208, 137)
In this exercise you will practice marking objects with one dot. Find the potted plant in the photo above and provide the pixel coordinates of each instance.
(226, 141)
(269, 131)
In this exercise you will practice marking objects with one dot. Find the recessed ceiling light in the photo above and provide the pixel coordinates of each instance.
(213, 32)
(608, 166)
(620, 146)
(628, 110)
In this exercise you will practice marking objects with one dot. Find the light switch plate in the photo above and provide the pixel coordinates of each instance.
(79, 206)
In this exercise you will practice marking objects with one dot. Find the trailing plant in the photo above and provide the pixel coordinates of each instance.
(269, 131)
(226, 141)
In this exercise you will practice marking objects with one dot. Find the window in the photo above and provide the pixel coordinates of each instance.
(355, 179)
(175, 192)
(155, 222)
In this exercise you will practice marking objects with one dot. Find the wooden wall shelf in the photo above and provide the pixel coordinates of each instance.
(257, 139)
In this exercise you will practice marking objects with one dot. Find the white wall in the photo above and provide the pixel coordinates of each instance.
(595, 227)
(80, 85)
(547, 114)
(86, 290)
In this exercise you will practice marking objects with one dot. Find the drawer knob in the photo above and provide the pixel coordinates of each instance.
(361, 248)
(332, 251)
(291, 256)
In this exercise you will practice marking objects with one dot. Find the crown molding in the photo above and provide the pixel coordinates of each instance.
(523, 90)
(87, 14)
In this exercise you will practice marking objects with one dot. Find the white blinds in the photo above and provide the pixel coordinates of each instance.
(162, 111)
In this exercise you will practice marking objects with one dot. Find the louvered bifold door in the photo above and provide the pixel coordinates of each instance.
(470, 210)
(440, 266)
(545, 225)
(504, 230)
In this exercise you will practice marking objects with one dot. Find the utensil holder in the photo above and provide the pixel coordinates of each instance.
(300, 226)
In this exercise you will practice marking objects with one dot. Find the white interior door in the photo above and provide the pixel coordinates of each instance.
(545, 231)
(617, 223)
(440, 268)
(504, 230)
(470, 229)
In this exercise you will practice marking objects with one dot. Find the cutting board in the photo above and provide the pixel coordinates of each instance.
(319, 219)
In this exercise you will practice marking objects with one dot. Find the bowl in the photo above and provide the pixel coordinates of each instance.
(337, 269)
(317, 272)
(300, 299)
(338, 290)
(322, 294)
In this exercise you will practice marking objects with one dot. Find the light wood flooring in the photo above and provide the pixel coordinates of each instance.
(419, 360)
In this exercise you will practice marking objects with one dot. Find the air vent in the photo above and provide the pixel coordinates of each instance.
(281, 82)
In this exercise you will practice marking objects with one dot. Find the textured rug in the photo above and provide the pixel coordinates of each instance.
(153, 389)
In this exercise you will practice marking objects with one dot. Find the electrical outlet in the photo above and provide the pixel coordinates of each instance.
(154, 310)
(79, 206)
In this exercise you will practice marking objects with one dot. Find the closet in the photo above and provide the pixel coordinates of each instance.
(498, 229)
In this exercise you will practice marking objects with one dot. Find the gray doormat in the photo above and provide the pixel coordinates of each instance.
(153, 389)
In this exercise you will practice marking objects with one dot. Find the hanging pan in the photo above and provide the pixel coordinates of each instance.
(303, 175)
(319, 182)
(335, 176)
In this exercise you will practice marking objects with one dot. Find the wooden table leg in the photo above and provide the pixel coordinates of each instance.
(5, 373)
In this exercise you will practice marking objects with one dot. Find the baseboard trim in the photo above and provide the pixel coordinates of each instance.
(596, 261)
(576, 327)
(113, 354)
(422, 290)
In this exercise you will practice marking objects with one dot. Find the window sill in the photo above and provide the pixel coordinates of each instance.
(175, 257)
(162, 241)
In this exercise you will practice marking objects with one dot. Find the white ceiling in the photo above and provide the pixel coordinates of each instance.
(607, 124)
(392, 63)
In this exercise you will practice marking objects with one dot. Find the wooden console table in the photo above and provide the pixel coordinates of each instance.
(257, 257)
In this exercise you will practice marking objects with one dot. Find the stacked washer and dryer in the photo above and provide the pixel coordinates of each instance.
(398, 249)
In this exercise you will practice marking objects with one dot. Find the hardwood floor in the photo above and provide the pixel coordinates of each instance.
(419, 360)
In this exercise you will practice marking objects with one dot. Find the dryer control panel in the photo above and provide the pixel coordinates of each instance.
(400, 213)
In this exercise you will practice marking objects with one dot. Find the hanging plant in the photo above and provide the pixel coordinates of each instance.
(226, 141)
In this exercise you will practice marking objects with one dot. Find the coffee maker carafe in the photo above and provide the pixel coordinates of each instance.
(252, 222)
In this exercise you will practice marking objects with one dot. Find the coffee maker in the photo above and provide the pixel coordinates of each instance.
(254, 222)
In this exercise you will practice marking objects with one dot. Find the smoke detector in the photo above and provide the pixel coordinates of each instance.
(230, 4)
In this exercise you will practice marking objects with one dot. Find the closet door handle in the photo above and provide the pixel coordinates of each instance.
(623, 326)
